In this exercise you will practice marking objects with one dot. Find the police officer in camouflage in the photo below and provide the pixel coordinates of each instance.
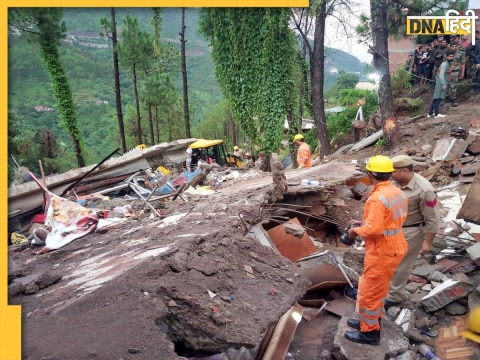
(457, 69)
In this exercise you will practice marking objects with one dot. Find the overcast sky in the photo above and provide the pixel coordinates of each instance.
(336, 37)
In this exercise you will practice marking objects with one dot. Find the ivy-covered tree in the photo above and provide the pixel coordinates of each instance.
(254, 53)
(45, 27)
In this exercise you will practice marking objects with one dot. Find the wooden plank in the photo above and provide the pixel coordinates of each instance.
(283, 334)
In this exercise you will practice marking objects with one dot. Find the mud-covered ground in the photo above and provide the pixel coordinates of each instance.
(144, 289)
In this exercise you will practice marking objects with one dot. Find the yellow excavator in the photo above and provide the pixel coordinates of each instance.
(213, 151)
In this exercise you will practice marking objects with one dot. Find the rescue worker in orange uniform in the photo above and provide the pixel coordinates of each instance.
(385, 246)
(303, 152)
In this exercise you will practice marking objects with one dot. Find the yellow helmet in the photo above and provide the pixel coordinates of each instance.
(380, 164)
(473, 325)
(298, 137)
(235, 148)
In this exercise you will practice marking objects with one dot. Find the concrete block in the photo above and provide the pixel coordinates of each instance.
(449, 149)
(413, 287)
(436, 276)
(406, 319)
(455, 309)
(474, 251)
(424, 271)
(448, 292)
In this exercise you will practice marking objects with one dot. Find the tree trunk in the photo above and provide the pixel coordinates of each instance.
(137, 104)
(157, 121)
(150, 123)
(184, 76)
(234, 130)
(317, 64)
(378, 11)
(118, 95)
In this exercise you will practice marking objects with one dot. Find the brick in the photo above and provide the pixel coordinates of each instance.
(448, 292)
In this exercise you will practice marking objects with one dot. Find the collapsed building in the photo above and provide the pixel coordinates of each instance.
(252, 270)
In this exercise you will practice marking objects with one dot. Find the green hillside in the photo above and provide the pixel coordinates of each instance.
(90, 71)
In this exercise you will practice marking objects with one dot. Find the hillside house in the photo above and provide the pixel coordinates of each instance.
(40, 108)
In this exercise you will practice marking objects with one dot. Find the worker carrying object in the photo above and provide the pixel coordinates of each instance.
(238, 152)
(385, 246)
(303, 152)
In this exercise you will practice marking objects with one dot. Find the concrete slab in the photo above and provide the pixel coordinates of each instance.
(367, 141)
(449, 149)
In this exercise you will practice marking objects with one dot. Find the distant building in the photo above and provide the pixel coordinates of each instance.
(307, 124)
(366, 85)
(398, 51)
(40, 108)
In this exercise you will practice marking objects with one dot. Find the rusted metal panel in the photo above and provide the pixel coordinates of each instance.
(291, 246)
(469, 210)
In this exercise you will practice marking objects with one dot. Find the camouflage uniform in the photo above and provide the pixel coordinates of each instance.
(456, 71)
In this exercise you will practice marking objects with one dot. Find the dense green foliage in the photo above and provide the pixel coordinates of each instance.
(341, 123)
(254, 66)
(87, 60)
(346, 80)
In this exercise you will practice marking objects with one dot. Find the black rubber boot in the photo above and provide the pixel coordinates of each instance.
(387, 304)
(354, 323)
(369, 337)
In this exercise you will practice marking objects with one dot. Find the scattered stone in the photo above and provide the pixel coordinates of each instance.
(436, 276)
(15, 288)
(414, 334)
(412, 287)
(294, 229)
(47, 279)
(455, 309)
(31, 288)
(425, 270)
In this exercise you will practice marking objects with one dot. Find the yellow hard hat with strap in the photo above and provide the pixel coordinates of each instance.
(380, 164)
(298, 137)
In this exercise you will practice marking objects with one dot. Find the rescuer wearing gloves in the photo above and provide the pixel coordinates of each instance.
(420, 227)
(303, 152)
(385, 246)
